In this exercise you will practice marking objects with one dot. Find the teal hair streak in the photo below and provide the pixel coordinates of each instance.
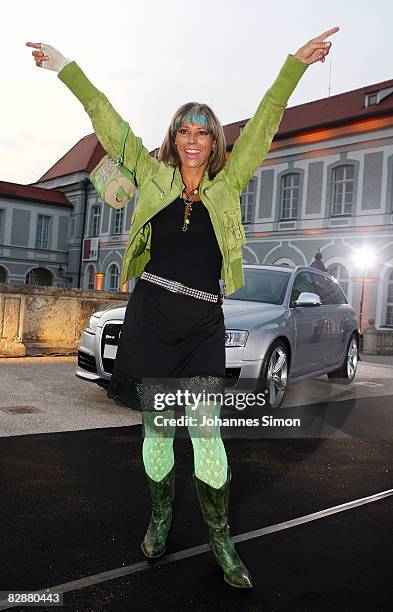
(191, 119)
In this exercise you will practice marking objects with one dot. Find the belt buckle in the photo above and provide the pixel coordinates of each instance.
(220, 299)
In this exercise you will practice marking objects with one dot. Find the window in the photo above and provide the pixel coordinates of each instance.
(389, 301)
(328, 290)
(114, 278)
(247, 201)
(340, 273)
(3, 275)
(263, 285)
(391, 190)
(2, 217)
(118, 221)
(290, 188)
(303, 283)
(95, 220)
(343, 181)
(42, 238)
(91, 278)
(371, 99)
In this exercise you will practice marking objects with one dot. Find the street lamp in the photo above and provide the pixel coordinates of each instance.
(363, 258)
(60, 274)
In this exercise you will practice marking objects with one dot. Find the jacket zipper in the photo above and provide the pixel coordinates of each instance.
(162, 192)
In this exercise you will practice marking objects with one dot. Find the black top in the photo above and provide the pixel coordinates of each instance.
(192, 257)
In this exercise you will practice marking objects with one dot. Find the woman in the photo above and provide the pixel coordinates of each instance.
(186, 235)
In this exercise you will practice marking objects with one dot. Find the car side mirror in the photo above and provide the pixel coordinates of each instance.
(307, 299)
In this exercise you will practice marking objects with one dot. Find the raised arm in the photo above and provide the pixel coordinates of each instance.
(254, 142)
(105, 120)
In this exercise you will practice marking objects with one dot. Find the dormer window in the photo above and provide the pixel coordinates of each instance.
(371, 99)
(377, 96)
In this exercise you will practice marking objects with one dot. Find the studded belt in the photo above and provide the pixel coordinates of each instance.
(177, 287)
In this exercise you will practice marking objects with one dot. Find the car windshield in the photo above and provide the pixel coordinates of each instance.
(261, 285)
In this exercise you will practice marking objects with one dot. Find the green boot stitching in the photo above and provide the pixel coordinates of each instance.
(162, 495)
(215, 505)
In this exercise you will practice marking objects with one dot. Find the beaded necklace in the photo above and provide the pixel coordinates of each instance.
(188, 207)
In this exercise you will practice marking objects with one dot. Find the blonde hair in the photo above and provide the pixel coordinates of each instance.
(168, 151)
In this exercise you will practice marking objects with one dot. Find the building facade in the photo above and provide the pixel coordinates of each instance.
(327, 184)
(34, 227)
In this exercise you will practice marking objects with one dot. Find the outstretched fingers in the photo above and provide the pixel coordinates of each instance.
(39, 56)
(35, 45)
(325, 34)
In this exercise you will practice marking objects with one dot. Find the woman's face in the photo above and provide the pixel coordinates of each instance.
(194, 144)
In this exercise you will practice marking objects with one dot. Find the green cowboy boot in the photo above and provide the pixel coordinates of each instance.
(162, 495)
(215, 505)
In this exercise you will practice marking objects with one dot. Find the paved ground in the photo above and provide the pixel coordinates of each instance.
(67, 403)
(75, 505)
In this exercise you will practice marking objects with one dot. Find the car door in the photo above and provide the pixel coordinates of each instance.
(311, 327)
(336, 307)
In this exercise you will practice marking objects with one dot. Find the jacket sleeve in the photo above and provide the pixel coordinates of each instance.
(254, 142)
(107, 122)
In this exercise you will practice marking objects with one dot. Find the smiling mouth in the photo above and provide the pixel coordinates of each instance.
(191, 153)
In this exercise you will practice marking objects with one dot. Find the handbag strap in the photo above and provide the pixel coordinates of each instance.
(123, 137)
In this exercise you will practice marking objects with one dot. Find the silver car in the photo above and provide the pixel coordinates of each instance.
(284, 325)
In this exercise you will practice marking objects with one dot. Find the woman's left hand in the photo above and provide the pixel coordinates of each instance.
(316, 49)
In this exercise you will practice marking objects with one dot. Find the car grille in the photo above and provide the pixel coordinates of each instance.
(87, 362)
(110, 335)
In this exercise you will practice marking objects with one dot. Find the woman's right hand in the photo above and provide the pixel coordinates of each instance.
(48, 57)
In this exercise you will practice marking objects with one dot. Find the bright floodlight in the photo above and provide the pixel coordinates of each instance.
(363, 257)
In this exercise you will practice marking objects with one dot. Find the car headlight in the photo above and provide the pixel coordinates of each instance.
(93, 322)
(235, 337)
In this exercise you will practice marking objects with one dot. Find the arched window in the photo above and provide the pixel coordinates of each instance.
(341, 275)
(290, 190)
(114, 277)
(91, 278)
(389, 300)
(39, 276)
(3, 275)
(95, 220)
(342, 189)
(284, 261)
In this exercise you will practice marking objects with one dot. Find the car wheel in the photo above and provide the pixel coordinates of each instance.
(274, 374)
(346, 373)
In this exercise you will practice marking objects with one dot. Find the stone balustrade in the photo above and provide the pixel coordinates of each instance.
(377, 341)
(39, 320)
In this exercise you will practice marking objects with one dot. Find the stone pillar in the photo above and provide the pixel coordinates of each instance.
(370, 335)
(11, 326)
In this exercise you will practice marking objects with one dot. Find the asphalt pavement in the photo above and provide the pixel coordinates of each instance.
(312, 515)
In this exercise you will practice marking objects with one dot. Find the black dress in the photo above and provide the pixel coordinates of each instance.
(167, 335)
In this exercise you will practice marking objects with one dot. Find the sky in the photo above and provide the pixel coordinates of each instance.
(150, 57)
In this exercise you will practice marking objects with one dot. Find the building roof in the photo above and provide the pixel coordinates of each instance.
(335, 110)
(82, 157)
(33, 194)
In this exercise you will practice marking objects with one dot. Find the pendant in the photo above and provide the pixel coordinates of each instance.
(187, 214)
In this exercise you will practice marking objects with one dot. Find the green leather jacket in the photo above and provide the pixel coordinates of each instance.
(160, 184)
